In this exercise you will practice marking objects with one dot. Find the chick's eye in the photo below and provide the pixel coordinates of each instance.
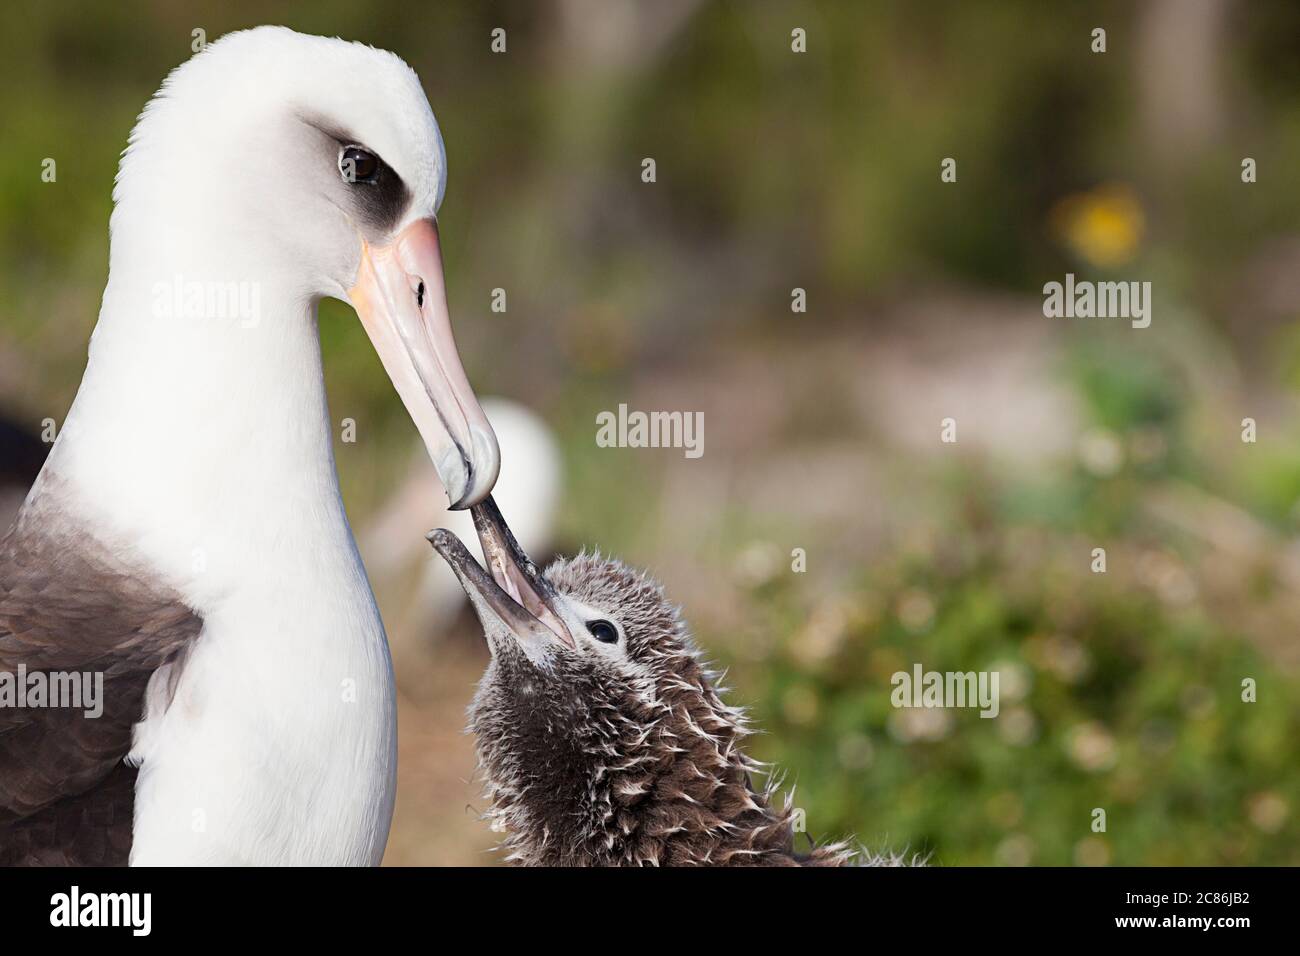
(357, 165)
(603, 631)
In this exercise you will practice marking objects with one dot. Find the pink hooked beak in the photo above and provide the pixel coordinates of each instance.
(401, 298)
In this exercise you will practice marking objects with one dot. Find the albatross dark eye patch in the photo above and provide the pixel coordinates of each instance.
(358, 165)
(384, 197)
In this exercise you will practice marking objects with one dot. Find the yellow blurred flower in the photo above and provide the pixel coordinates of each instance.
(1103, 227)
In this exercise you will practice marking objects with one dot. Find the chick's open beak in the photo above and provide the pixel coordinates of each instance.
(402, 301)
(514, 590)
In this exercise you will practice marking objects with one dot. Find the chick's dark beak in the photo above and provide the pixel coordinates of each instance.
(482, 590)
(515, 591)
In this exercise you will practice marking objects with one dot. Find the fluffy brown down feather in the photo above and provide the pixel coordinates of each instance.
(589, 761)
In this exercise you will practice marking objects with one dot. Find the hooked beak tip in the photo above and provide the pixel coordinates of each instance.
(473, 476)
(458, 486)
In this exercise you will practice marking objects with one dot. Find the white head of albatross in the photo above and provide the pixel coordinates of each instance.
(187, 537)
(272, 170)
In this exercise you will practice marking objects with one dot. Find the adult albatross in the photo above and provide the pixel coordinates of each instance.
(186, 538)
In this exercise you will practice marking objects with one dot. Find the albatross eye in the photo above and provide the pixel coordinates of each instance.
(357, 165)
(603, 631)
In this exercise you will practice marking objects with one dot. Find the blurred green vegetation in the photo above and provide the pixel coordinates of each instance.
(1109, 699)
(1120, 691)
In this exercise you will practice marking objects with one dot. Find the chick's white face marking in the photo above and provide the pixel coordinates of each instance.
(601, 638)
(597, 631)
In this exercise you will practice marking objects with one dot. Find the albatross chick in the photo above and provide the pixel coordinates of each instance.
(601, 734)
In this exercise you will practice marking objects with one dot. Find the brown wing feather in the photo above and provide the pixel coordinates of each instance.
(70, 603)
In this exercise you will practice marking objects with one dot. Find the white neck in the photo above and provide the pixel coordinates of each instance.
(203, 445)
(204, 440)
